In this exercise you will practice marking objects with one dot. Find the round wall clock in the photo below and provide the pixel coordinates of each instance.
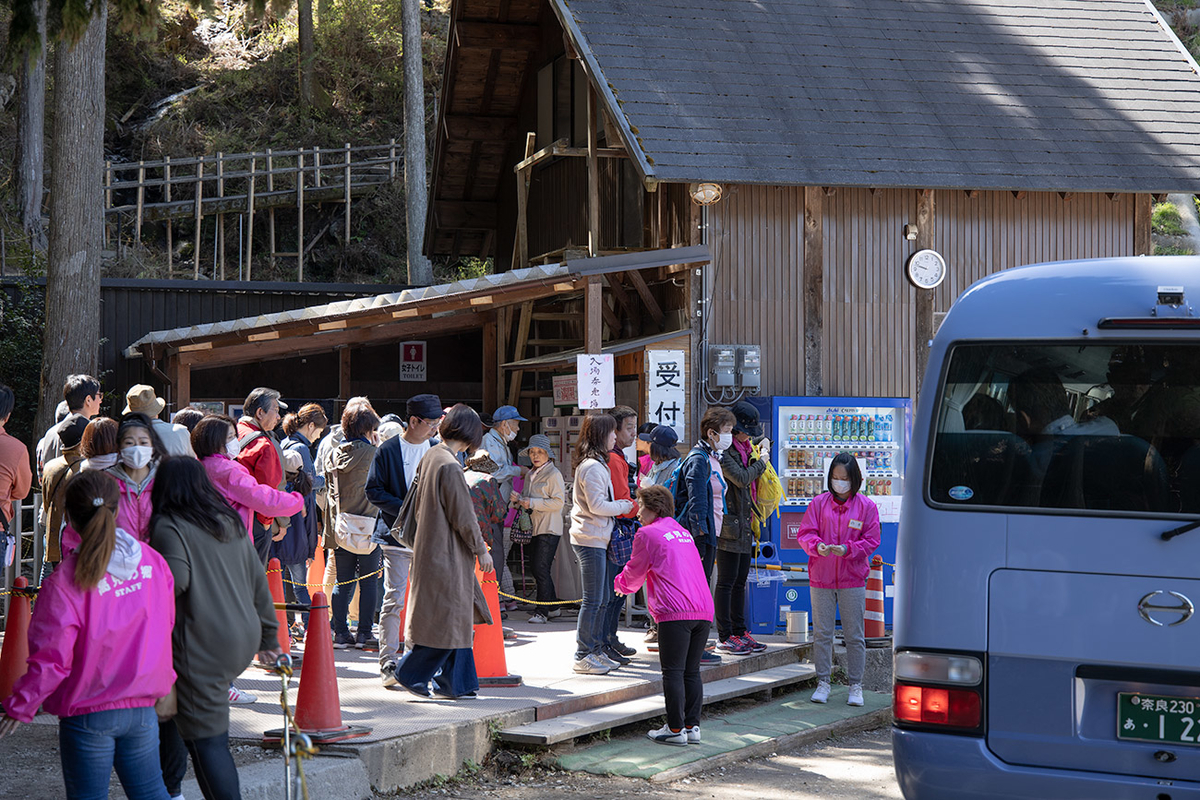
(926, 269)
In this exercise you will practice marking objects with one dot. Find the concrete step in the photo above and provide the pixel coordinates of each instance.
(571, 726)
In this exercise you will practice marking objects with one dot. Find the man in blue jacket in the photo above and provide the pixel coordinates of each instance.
(388, 482)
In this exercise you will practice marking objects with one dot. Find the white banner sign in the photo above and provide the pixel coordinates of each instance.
(412, 361)
(666, 398)
(595, 381)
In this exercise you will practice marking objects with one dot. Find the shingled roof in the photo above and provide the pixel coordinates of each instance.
(1068, 95)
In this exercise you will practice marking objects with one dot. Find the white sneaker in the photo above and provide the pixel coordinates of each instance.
(667, 736)
(856, 698)
(821, 695)
(555, 614)
(591, 665)
(538, 619)
(693, 734)
(239, 698)
(606, 661)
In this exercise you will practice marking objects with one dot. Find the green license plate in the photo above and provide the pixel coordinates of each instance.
(1151, 718)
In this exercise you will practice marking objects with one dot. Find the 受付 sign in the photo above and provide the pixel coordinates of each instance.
(412, 361)
(666, 398)
(595, 381)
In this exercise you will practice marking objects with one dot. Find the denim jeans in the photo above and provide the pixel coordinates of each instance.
(597, 592)
(614, 606)
(298, 588)
(92, 745)
(351, 566)
(542, 559)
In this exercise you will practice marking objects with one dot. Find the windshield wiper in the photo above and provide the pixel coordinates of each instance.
(1182, 529)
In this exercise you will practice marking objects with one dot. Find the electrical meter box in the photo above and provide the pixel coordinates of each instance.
(722, 360)
(749, 364)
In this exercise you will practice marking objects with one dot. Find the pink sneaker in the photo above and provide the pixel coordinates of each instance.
(754, 645)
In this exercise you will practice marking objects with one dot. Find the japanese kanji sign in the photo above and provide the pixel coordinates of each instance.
(666, 399)
(566, 390)
(412, 361)
(595, 381)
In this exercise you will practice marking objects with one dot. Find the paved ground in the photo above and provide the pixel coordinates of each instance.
(858, 767)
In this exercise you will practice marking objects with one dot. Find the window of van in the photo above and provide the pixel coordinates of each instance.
(1111, 428)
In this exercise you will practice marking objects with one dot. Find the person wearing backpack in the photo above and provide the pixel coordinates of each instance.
(742, 466)
(260, 454)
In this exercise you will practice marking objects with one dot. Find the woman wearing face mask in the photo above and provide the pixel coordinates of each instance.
(139, 451)
(543, 496)
(99, 444)
(214, 440)
(840, 531)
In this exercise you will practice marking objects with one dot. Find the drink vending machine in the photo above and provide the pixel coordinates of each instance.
(806, 433)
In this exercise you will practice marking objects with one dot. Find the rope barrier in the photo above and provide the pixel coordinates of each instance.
(29, 591)
(319, 586)
(299, 748)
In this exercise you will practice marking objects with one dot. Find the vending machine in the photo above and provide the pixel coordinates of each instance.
(806, 433)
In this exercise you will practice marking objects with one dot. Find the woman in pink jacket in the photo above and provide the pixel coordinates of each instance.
(139, 450)
(666, 560)
(100, 650)
(839, 531)
(215, 441)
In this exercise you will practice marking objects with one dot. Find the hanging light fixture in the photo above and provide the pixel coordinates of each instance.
(705, 194)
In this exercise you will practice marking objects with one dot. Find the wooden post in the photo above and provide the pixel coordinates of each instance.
(250, 218)
(491, 394)
(924, 309)
(514, 387)
(220, 216)
(141, 201)
(1142, 244)
(593, 316)
(182, 386)
(199, 218)
(343, 376)
(107, 198)
(271, 209)
(300, 215)
(170, 231)
(593, 173)
(814, 287)
(522, 245)
(346, 238)
(392, 160)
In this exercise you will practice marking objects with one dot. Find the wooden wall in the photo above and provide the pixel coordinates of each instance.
(869, 309)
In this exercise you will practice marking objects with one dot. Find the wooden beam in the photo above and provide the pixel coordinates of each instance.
(619, 294)
(464, 214)
(496, 35)
(343, 376)
(593, 174)
(1020, 194)
(611, 320)
(1142, 245)
(1067, 196)
(474, 127)
(971, 193)
(639, 284)
(592, 316)
(814, 287)
(523, 178)
(541, 155)
(491, 364)
(925, 297)
(514, 386)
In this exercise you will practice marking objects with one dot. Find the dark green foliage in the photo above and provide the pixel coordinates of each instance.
(21, 325)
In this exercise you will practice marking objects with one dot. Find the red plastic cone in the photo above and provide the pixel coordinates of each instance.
(316, 571)
(318, 710)
(490, 663)
(873, 624)
(15, 654)
(275, 582)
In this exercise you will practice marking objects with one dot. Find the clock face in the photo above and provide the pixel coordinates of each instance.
(926, 269)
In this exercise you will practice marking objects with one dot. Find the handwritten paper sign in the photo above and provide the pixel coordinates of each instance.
(412, 361)
(596, 384)
(666, 400)
(566, 390)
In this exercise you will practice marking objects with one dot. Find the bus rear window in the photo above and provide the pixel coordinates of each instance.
(1112, 427)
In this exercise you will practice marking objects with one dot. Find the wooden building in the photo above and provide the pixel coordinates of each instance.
(842, 137)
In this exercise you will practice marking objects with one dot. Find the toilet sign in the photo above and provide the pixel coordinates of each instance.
(412, 361)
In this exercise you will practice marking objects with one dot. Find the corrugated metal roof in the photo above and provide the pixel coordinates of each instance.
(347, 308)
(1064, 95)
(611, 348)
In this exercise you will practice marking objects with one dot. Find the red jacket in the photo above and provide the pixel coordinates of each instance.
(261, 460)
(619, 468)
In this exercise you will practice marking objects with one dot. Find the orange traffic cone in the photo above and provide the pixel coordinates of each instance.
(873, 627)
(316, 571)
(15, 654)
(490, 663)
(318, 710)
(275, 582)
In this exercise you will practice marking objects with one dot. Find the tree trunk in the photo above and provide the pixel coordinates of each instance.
(304, 12)
(76, 214)
(420, 271)
(31, 135)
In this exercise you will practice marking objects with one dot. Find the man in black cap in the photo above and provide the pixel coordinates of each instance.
(388, 481)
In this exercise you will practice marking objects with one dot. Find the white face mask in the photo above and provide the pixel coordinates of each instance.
(841, 487)
(136, 457)
(102, 462)
(510, 434)
(724, 442)
(232, 448)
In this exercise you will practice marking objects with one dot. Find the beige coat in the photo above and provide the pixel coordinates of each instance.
(546, 493)
(443, 591)
(593, 507)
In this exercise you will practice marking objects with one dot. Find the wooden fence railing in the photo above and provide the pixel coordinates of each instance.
(172, 190)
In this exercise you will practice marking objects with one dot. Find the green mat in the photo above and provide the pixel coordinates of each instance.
(638, 757)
